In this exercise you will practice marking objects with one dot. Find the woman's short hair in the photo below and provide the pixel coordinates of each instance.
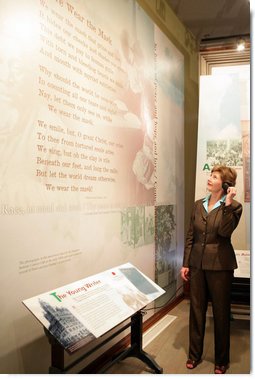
(227, 174)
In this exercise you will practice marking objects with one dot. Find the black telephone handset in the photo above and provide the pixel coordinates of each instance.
(225, 186)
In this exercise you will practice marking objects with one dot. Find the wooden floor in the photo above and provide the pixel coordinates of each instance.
(169, 348)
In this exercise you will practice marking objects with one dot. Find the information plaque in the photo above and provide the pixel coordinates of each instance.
(243, 261)
(86, 309)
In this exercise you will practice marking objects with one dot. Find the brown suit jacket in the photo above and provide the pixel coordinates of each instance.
(208, 242)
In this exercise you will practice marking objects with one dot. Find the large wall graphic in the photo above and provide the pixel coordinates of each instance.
(224, 138)
(91, 144)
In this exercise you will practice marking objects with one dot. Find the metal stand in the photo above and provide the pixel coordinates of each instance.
(135, 350)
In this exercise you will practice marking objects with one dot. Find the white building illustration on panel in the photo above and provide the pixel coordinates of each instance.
(64, 326)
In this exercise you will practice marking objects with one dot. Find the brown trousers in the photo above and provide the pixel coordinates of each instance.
(214, 286)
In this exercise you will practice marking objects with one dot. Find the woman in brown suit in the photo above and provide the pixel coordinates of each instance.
(209, 262)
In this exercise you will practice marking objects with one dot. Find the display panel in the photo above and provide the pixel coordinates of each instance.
(224, 138)
(83, 108)
(82, 311)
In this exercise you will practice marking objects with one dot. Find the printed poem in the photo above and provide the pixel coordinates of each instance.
(79, 76)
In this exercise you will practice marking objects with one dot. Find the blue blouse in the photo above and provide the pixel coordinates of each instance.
(216, 205)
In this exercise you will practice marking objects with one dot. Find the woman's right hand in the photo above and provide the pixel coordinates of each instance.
(185, 273)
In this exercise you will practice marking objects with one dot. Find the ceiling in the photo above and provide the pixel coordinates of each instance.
(214, 19)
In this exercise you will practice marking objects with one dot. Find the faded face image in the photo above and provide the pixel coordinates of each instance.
(11, 77)
(11, 74)
(16, 68)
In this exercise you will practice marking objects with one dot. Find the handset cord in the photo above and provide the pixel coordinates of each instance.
(169, 300)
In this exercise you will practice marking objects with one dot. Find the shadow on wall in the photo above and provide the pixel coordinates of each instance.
(34, 358)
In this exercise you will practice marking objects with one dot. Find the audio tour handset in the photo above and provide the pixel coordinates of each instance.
(226, 185)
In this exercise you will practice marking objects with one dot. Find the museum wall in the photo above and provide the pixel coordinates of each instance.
(183, 39)
(98, 115)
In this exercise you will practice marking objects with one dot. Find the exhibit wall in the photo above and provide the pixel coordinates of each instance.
(92, 155)
(175, 30)
(224, 139)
